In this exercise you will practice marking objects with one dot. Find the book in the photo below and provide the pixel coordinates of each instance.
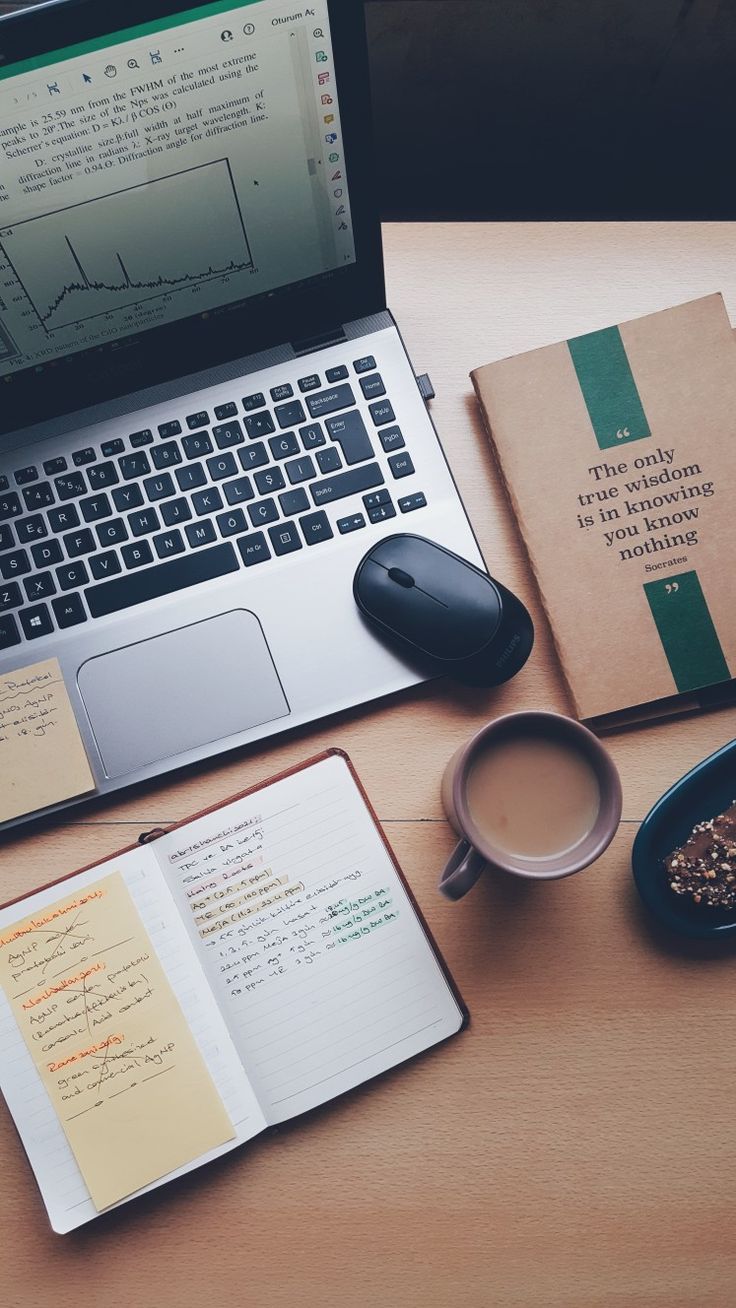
(169, 1004)
(616, 451)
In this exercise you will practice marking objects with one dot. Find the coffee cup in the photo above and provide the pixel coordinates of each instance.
(534, 794)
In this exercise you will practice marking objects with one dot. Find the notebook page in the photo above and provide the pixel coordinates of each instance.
(63, 1188)
(308, 938)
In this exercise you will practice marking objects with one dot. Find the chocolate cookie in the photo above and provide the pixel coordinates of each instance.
(705, 866)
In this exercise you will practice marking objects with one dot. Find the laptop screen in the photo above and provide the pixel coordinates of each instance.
(164, 171)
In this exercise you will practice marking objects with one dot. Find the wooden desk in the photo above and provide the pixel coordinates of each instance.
(575, 1146)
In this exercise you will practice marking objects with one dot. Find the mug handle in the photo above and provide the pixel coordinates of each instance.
(464, 866)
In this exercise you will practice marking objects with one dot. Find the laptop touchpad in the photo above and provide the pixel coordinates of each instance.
(168, 695)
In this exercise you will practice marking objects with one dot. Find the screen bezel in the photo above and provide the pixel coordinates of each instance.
(292, 314)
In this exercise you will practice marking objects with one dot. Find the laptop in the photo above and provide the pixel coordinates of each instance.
(207, 412)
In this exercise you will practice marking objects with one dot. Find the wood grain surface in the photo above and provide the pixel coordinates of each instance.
(573, 1148)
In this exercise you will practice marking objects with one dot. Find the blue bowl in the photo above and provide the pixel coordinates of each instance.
(703, 793)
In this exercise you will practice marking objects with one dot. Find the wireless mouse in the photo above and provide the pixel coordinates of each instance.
(438, 605)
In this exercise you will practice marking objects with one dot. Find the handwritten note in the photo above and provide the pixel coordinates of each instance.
(109, 1040)
(42, 758)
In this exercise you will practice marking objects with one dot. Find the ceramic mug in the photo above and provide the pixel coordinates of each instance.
(474, 853)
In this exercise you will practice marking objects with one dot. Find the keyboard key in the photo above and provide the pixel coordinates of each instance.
(290, 415)
(175, 511)
(139, 438)
(401, 465)
(196, 447)
(336, 374)
(381, 412)
(168, 429)
(230, 433)
(230, 524)
(14, 565)
(47, 554)
(296, 501)
(104, 565)
(262, 512)
(329, 460)
(159, 488)
(284, 392)
(191, 477)
(95, 507)
(70, 485)
(377, 497)
(168, 544)
(111, 448)
(133, 556)
(4, 483)
(366, 364)
(222, 465)
(285, 538)
(411, 502)
(113, 532)
(9, 634)
(10, 506)
(69, 611)
(39, 496)
(200, 533)
(238, 491)
(105, 474)
(30, 529)
(79, 542)
(284, 446)
(259, 424)
(207, 501)
(324, 402)
(39, 586)
(164, 579)
(7, 540)
(372, 386)
(10, 596)
(315, 528)
(269, 481)
(253, 456)
(199, 419)
(391, 439)
(166, 456)
(381, 513)
(253, 549)
(300, 470)
(310, 383)
(63, 519)
(312, 436)
(36, 621)
(127, 497)
(52, 466)
(346, 483)
(144, 522)
(223, 411)
(256, 401)
(353, 523)
(349, 432)
(72, 575)
(80, 457)
(24, 475)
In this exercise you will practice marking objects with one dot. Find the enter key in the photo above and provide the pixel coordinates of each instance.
(350, 433)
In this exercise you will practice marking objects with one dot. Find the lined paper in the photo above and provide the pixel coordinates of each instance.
(308, 938)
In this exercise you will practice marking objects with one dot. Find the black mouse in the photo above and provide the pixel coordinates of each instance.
(442, 607)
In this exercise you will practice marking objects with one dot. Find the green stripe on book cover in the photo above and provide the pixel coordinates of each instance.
(686, 630)
(608, 387)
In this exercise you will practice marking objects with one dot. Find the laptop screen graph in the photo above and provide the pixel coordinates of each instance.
(165, 171)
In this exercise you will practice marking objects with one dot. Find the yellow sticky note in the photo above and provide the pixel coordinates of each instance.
(110, 1041)
(42, 758)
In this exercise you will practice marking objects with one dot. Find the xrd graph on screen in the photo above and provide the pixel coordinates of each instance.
(118, 250)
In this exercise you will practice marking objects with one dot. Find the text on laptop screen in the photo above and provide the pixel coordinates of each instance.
(164, 171)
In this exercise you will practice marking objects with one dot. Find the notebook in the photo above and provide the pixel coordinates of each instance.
(169, 1004)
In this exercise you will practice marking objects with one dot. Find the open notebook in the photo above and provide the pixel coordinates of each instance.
(169, 1004)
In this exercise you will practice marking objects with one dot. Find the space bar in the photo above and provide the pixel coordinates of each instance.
(152, 583)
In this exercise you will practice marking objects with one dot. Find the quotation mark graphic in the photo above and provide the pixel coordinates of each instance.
(622, 433)
(672, 587)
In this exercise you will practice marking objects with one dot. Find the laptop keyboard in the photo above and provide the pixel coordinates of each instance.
(134, 519)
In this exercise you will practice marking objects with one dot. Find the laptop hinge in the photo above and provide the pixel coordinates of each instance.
(336, 337)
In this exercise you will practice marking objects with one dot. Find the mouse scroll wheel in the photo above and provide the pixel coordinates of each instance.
(401, 578)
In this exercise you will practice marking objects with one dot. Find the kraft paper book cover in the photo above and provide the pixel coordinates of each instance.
(617, 450)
